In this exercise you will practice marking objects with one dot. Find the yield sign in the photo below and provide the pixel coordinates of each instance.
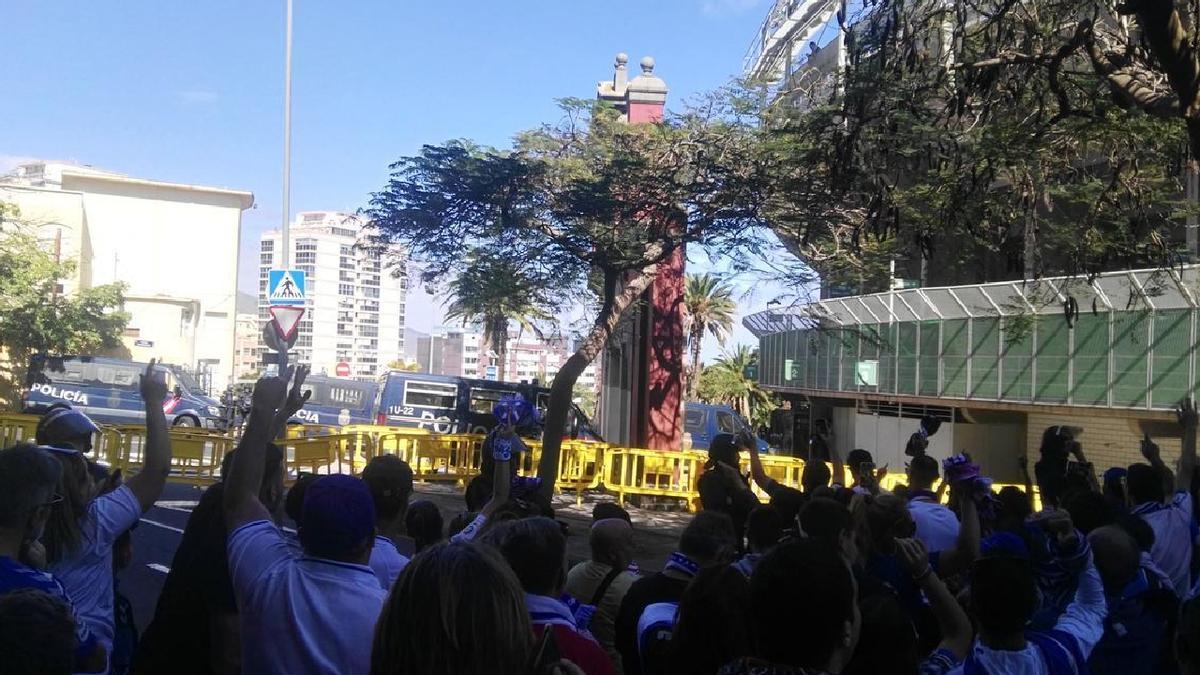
(286, 319)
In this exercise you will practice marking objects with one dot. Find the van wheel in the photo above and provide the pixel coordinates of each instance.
(187, 421)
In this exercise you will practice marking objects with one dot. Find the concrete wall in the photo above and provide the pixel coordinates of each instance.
(169, 242)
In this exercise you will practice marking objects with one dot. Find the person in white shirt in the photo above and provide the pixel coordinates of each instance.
(937, 526)
(306, 614)
(83, 527)
(1174, 525)
(390, 481)
(1003, 599)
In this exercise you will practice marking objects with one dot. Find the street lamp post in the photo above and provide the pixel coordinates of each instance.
(287, 136)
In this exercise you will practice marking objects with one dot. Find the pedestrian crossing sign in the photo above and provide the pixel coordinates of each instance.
(285, 287)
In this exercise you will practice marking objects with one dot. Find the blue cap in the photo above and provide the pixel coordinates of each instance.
(63, 425)
(339, 515)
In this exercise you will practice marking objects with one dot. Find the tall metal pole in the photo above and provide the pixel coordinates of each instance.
(287, 138)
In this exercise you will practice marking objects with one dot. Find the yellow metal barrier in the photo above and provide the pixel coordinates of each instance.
(195, 455)
(15, 428)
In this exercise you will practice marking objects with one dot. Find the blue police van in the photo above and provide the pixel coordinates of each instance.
(705, 420)
(337, 401)
(106, 389)
(446, 404)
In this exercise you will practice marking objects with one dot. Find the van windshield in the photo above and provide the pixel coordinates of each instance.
(186, 381)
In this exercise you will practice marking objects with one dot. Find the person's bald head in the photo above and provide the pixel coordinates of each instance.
(1116, 554)
(612, 542)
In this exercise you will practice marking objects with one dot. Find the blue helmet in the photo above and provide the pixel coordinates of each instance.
(64, 425)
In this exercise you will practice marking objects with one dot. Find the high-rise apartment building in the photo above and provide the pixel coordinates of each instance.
(355, 296)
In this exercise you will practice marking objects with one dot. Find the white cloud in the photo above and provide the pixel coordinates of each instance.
(725, 7)
(197, 97)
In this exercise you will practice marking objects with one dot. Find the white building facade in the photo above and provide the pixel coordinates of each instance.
(355, 302)
(175, 246)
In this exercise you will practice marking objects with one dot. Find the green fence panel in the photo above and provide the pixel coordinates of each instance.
(799, 349)
(887, 358)
(927, 367)
(1016, 363)
(1051, 360)
(956, 348)
(985, 361)
(1090, 359)
(906, 354)
(1130, 354)
(1172, 354)
(833, 358)
(813, 345)
(850, 357)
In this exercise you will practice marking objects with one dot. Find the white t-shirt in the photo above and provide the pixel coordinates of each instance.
(937, 526)
(386, 562)
(87, 575)
(1174, 531)
(1083, 620)
(300, 615)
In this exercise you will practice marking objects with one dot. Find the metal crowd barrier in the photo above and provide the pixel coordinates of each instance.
(456, 458)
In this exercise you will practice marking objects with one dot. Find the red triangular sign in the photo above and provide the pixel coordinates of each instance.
(286, 319)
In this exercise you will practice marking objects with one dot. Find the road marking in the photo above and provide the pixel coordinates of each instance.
(159, 568)
(162, 525)
(172, 508)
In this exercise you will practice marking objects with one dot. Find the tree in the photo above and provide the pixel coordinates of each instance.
(592, 204)
(708, 306)
(494, 292)
(36, 316)
(585, 397)
(983, 141)
(725, 382)
(402, 364)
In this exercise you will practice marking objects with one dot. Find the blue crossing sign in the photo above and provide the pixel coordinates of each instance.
(285, 287)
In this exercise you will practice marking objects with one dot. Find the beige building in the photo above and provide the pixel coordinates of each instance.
(247, 355)
(174, 245)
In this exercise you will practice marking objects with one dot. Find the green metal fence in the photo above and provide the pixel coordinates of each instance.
(1135, 349)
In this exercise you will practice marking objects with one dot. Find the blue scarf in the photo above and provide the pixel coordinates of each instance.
(683, 564)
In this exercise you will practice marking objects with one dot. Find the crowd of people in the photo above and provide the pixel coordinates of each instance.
(944, 574)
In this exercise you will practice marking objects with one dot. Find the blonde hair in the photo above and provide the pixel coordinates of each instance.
(456, 608)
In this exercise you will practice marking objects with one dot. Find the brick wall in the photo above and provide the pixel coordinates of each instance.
(1109, 439)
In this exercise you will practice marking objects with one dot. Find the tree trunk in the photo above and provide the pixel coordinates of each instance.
(697, 336)
(561, 390)
(500, 346)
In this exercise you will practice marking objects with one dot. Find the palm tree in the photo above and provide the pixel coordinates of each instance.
(725, 382)
(708, 306)
(495, 292)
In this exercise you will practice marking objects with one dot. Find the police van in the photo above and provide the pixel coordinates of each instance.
(445, 404)
(106, 389)
(703, 421)
(336, 401)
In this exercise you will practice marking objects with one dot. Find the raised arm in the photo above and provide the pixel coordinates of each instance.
(1023, 462)
(966, 548)
(1152, 454)
(241, 503)
(839, 469)
(295, 401)
(1187, 459)
(955, 626)
(757, 472)
(1081, 459)
(148, 484)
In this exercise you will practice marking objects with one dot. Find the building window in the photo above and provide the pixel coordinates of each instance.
(262, 286)
(344, 329)
(345, 289)
(371, 292)
(368, 331)
(341, 231)
(268, 245)
(304, 340)
(266, 258)
(347, 250)
(346, 263)
(306, 245)
(345, 275)
(309, 257)
(371, 280)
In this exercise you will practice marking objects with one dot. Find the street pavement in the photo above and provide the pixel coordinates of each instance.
(160, 529)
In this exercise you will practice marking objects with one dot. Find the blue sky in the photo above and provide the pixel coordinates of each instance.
(192, 91)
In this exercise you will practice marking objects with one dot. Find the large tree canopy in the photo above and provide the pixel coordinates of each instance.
(991, 139)
(591, 203)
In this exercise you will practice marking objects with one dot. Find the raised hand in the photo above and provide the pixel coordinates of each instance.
(913, 556)
(152, 385)
(1149, 449)
(297, 398)
(269, 394)
(1186, 413)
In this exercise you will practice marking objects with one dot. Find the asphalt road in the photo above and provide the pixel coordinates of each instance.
(160, 529)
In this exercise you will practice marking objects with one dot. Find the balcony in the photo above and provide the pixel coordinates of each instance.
(1130, 344)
